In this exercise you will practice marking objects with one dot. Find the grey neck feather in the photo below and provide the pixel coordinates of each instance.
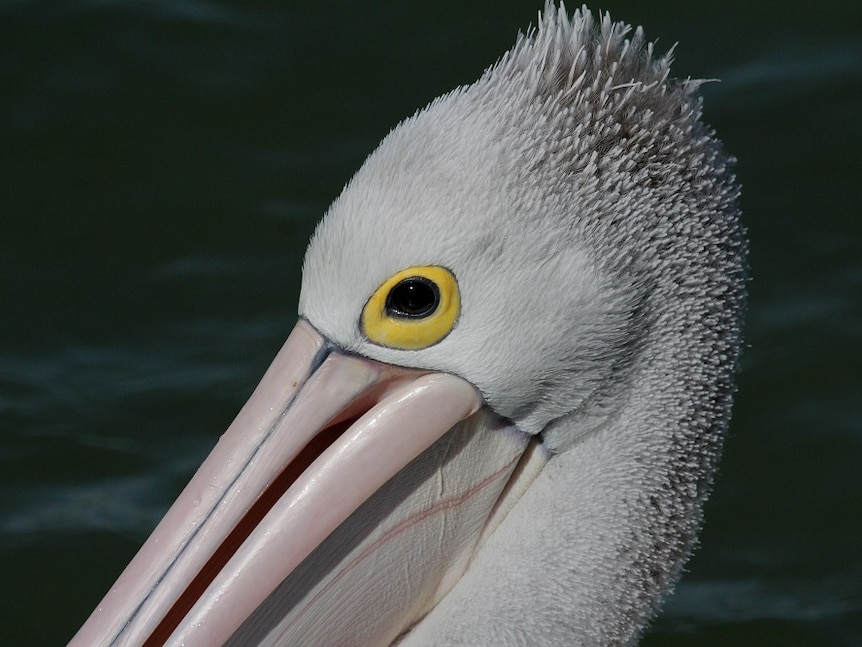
(603, 532)
(635, 340)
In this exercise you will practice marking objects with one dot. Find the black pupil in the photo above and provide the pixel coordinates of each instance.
(413, 298)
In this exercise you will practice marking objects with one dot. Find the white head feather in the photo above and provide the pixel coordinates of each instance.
(591, 221)
(576, 196)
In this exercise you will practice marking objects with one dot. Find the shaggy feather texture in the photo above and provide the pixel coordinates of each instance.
(591, 220)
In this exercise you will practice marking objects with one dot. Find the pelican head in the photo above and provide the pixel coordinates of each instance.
(498, 416)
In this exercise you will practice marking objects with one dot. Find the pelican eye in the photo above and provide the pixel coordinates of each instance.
(415, 297)
(413, 309)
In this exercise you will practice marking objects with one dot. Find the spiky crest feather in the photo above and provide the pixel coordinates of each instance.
(591, 220)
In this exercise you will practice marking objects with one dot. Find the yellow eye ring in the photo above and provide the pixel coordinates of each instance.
(414, 308)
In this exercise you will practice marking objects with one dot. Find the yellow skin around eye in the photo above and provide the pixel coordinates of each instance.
(412, 334)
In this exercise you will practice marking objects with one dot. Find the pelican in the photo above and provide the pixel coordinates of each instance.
(499, 413)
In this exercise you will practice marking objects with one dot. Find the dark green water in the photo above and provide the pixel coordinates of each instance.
(163, 163)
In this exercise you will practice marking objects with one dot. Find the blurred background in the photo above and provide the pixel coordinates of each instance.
(162, 165)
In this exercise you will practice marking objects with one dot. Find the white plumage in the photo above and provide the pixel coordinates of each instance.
(590, 220)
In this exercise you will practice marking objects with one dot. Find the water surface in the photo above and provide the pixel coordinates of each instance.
(162, 165)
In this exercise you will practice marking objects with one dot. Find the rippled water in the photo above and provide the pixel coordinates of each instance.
(163, 163)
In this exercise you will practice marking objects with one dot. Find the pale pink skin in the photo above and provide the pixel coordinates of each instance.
(288, 408)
